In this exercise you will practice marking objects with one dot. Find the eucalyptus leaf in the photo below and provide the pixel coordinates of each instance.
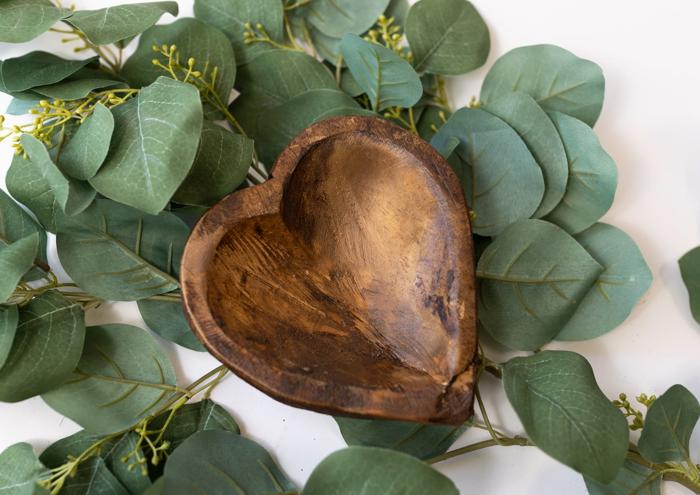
(24, 20)
(625, 279)
(16, 259)
(668, 425)
(592, 177)
(223, 462)
(119, 22)
(194, 39)
(565, 414)
(79, 85)
(431, 119)
(349, 84)
(556, 78)
(19, 106)
(533, 277)
(230, 16)
(19, 468)
(123, 375)
(37, 69)
(153, 146)
(447, 36)
(167, 319)
(398, 10)
(9, 318)
(93, 477)
(690, 272)
(121, 254)
(48, 322)
(532, 124)
(501, 180)
(336, 18)
(221, 165)
(374, 471)
(386, 78)
(15, 224)
(420, 440)
(282, 123)
(88, 147)
(631, 479)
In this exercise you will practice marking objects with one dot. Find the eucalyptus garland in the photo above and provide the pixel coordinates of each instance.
(117, 157)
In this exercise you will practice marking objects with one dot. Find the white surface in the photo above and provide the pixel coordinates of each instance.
(650, 125)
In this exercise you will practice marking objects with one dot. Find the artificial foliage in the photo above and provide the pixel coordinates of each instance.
(118, 155)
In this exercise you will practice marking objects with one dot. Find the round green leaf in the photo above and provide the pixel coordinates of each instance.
(565, 414)
(501, 180)
(16, 259)
(37, 69)
(335, 18)
(386, 78)
(668, 424)
(88, 147)
(9, 317)
(690, 271)
(420, 440)
(46, 347)
(224, 462)
(447, 36)
(221, 165)
(557, 79)
(119, 22)
(121, 254)
(632, 478)
(230, 16)
(535, 128)
(374, 471)
(19, 469)
(153, 147)
(592, 177)
(533, 277)
(193, 38)
(24, 20)
(79, 85)
(625, 279)
(123, 375)
(167, 319)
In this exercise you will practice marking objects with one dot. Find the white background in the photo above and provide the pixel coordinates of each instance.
(650, 125)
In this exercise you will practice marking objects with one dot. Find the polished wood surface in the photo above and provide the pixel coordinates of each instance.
(345, 283)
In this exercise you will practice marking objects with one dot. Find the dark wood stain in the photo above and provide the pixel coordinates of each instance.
(345, 283)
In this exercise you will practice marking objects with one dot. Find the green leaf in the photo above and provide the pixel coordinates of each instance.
(224, 462)
(431, 118)
(336, 18)
(16, 259)
(79, 85)
(374, 471)
(565, 414)
(24, 20)
(221, 165)
(194, 39)
(93, 477)
(88, 148)
(447, 36)
(631, 479)
(420, 440)
(592, 177)
(122, 254)
(690, 272)
(668, 424)
(19, 106)
(112, 24)
(386, 78)
(15, 224)
(37, 69)
(625, 279)
(123, 375)
(46, 347)
(153, 147)
(536, 129)
(19, 468)
(398, 9)
(230, 16)
(278, 126)
(167, 319)
(501, 180)
(533, 277)
(557, 79)
(9, 317)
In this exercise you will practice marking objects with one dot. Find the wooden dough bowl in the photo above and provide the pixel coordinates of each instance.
(345, 283)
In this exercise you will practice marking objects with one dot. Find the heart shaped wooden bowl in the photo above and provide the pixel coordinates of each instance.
(345, 283)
